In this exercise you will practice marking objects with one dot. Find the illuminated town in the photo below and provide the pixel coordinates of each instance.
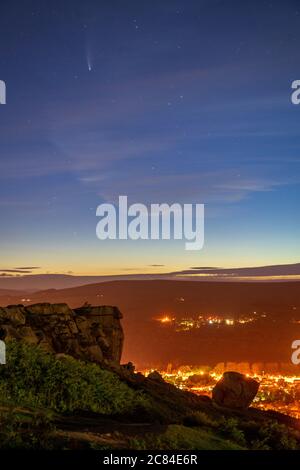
(190, 322)
(277, 392)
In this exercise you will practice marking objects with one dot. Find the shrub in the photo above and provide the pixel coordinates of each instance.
(34, 378)
(229, 428)
(275, 436)
(199, 418)
(31, 432)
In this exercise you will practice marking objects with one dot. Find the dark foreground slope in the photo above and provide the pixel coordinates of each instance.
(60, 402)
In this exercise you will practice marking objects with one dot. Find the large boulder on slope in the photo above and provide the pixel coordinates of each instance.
(235, 390)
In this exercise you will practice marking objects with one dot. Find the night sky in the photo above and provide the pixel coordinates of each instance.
(163, 101)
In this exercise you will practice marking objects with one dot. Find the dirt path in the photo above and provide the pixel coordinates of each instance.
(104, 425)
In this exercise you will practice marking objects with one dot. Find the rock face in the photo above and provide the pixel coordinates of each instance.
(235, 390)
(155, 376)
(88, 333)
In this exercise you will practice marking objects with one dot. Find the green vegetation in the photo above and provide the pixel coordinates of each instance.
(184, 438)
(199, 418)
(33, 378)
(241, 431)
(275, 436)
(23, 431)
(43, 400)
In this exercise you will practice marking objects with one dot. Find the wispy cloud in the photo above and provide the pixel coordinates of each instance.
(20, 270)
(221, 187)
(28, 267)
(284, 270)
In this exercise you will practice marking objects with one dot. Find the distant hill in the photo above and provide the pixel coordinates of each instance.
(147, 342)
(13, 292)
(35, 282)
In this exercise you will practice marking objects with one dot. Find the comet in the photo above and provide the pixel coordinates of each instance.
(89, 61)
(89, 56)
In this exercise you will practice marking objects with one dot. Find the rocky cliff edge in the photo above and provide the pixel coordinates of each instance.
(87, 333)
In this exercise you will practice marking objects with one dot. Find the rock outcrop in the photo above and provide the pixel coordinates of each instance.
(235, 390)
(88, 333)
